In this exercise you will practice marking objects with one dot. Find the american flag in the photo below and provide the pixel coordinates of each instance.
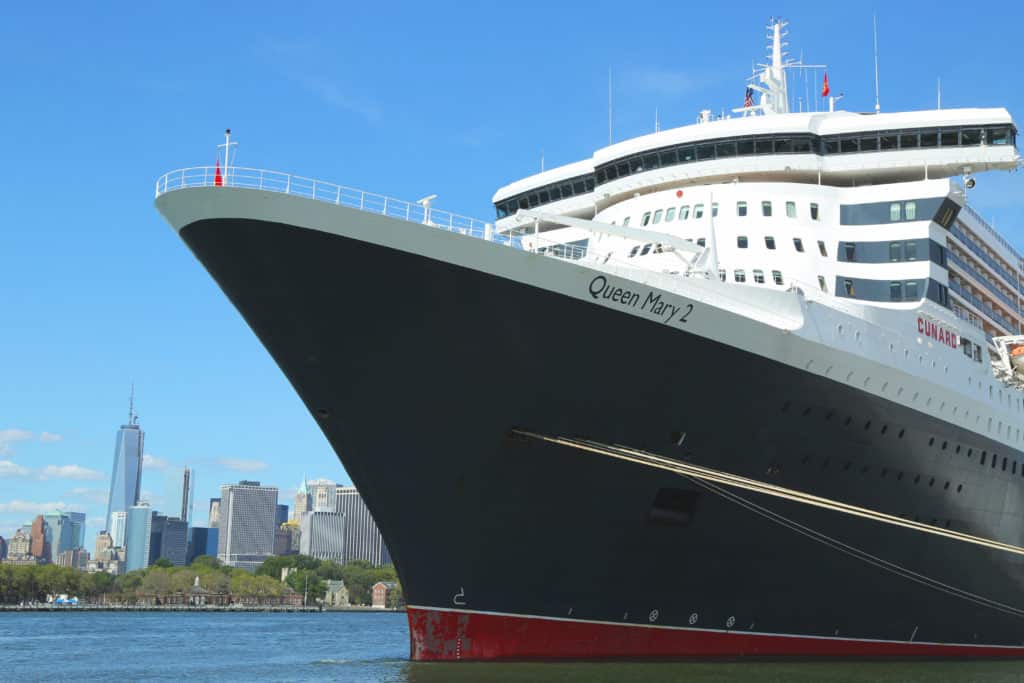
(748, 99)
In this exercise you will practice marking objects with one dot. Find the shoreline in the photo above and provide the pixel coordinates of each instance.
(187, 608)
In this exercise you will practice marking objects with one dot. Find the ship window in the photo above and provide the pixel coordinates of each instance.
(764, 146)
(759, 277)
(769, 242)
(657, 217)
(714, 209)
(625, 221)
(577, 187)
(970, 136)
(847, 145)
(850, 249)
(556, 194)
(645, 250)
(1004, 464)
(741, 241)
(633, 251)
(821, 248)
(910, 210)
(983, 456)
(622, 168)
(533, 200)
(590, 184)
(848, 285)
(725, 149)
(567, 190)
(669, 158)
(908, 140)
(670, 215)
(997, 136)
(686, 155)
(894, 211)
(705, 152)
(544, 197)
(814, 211)
(636, 165)
(869, 143)
(739, 276)
(650, 162)
(646, 219)
(745, 147)
(701, 242)
(930, 139)
(684, 212)
(911, 250)
(791, 209)
(798, 244)
(895, 251)
(821, 283)
(895, 291)
(777, 276)
(801, 145)
(910, 287)
(698, 211)
(831, 145)
(766, 208)
(783, 145)
(721, 274)
(888, 141)
(741, 208)
(949, 138)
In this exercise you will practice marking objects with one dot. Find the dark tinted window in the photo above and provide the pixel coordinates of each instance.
(764, 146)
(949, 138)
(847, 145)
(769, 242)
(745, 147)
(705, 152)
(930, 139)
(798, 244)
(725, 149)
(741, 242)
(970, 136)
(783, 145)
(908, 140)
(888, 141)
(869, 143)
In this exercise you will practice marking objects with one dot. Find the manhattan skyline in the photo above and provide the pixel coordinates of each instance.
(99, 293)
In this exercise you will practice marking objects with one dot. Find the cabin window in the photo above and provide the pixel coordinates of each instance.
(721, 274)
(645, 250)
(657, 217)
(714, 209)
(625, 221)
(847, 145)
(850, 250)
(769, 242)
(684, 212)
(739, 276)
(791, 209)
(869, 143)
(759, 277)
(698, 211)
(910, 287)
(889, 141)
(848, 286)
(777, 277)
(896, 291)
(997, 136)
(970, 136)
(821, 248)
(910, 210)
(766, 208)
(670, 215)
(701, 242)
(930, 139)
(949, 138)
(895, 251)
(821, 283)
(741, 208)
(814, 211)
(894, 212)
(741, 241)
(798, 244)
(646, 218)
(633, 251)
(908, 140)
(705, 152)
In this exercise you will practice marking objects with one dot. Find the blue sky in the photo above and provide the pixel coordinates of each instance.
(405, 99)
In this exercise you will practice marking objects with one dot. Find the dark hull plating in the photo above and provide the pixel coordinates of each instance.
(417, 370)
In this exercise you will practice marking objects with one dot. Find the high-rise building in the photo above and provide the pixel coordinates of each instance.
(118, 524)
(281, 516)
(214, 513)
(246, 536)
(323, 535)
(40, 546)
(363, 540)
(20, 545)
(322, 495)
(104, 547)
(137, 536)
(168, 539)
(127, 473)
(59, 533)
(301, 501)
(203, 542)
(188, 490)
(286, 539)
(76, 558)
(3, 548)
(77, 529)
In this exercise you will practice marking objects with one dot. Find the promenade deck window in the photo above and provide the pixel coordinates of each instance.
(698, 211)
(769, 242)
(684, 212)
(670, 215)
(766, 209)
(777, 277)
(739, 276)
(657, 217)
(798, 244)
(741, 242)
(759, 277)
(791, 209)
(741, 208)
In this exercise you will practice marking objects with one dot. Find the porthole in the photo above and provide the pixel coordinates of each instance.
(944, 444)
(785, 406)
(959, 488)
(928, 403)
(917, 478)
(846, 467)
(970, 452)
(807, 411)
(885, 428)
(856, 335)
(884, 472)
(847, 421)
(839, 330)
(900, 435)
(867, 425)
(828, 416)
(946, 487)
(958, 449)
(885, 385)
(899, 392)
(931, 441)
(899, 477)
(931, 482)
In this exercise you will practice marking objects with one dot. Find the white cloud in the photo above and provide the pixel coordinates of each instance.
(10, 436)
(24, 506)
(153, 462)
(11, 469)
(98, 496)
(240, 465)
(70, 472)
(47, 437)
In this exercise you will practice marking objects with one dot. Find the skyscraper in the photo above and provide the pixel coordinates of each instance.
(301, 501)
(322, 495)
(363, 540)
(40, 544)
(281, 516)
(118, 524)
(188, 489)
(77, 529)
(127, 473)
(247, 513)
(323, 535)
(137, 536)
(168, 539)
(59, 533)
(20, 545)
(214, 513)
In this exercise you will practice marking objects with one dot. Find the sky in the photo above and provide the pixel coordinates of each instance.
(404, 99)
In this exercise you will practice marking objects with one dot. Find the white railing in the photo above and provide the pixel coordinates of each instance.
(286, 183)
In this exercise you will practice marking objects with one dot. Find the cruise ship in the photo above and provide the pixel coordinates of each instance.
(746, 387)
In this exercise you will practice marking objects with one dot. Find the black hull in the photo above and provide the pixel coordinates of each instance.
(418, 370)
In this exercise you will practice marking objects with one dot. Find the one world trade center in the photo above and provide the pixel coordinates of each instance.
(127, 474)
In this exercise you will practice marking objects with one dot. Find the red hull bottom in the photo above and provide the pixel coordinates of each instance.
(444, 635)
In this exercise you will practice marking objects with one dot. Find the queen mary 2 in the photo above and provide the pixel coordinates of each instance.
(747, 387)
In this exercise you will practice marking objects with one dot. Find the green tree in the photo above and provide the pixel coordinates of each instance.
(163, 563)
(272, 566)
(208, 561)
(297, 582)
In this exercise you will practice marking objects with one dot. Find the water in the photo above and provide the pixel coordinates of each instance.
(357, 647)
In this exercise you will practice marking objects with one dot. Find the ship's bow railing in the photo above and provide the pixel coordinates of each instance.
(322, 191)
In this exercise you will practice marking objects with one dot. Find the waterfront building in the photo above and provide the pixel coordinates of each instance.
(301, 501)
(168, 539)
(214, 520)
(363, 540)
(118, 524)
(336, 595)
(281, 516)
(202, 542)
(247, 512)
(77, 529)
(104, 546)
(322, 535)
(381, 592)
(137, 536)
(20, 545)
(40, 547)
(127, 473)
(323, 495)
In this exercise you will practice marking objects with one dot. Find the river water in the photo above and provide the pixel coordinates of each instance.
(357, 647)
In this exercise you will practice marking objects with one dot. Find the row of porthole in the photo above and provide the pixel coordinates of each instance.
(984, 457)
(884, 473)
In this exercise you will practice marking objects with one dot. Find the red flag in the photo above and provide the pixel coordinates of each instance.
(824, 88)
(218, 179)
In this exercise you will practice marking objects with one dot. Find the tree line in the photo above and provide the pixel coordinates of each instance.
(358, 575)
